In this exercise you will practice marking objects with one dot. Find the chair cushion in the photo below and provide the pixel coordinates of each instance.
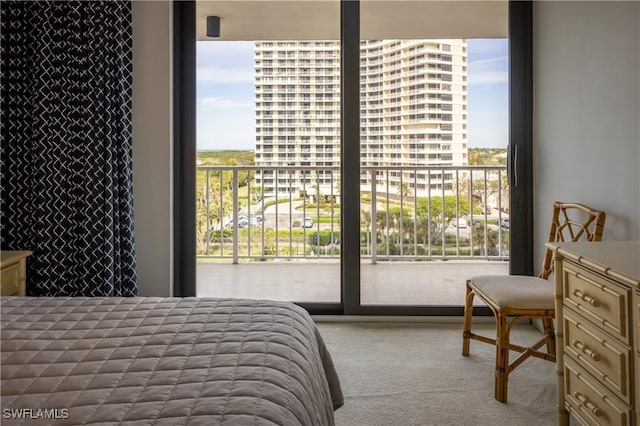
(516, 291)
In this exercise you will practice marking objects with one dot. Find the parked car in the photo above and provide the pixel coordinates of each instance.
(504, 222)
(244, 221)
(307, 222)
(461, 223)
(252, 220)
(257, 217)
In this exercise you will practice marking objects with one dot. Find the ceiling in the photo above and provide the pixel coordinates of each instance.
(380, 19)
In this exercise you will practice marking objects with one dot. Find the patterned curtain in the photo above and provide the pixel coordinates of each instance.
(66, 183)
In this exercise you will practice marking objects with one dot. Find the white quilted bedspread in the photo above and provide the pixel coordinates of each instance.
(163, 361)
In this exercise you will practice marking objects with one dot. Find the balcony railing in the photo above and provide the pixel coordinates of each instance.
(412, 213)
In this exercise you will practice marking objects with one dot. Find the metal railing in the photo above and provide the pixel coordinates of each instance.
(413, 213)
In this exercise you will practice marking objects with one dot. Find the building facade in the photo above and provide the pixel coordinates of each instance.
(413, 114)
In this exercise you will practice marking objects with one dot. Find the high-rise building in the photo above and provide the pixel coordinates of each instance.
(413, 113)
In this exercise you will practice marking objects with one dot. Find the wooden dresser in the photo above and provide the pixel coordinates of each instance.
(14, 272)
(597, 293)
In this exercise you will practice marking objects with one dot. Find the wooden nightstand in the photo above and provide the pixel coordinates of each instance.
(14, 272)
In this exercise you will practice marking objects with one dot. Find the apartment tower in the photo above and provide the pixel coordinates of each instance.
(413, 114)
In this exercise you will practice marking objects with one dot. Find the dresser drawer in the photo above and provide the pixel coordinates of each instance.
(598, 299)
(590, 401)
(602, 356)
(10, 280)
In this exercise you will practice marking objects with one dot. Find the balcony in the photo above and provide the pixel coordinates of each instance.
(274, 232)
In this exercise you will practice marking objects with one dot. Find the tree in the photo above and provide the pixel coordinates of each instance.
(401, 221)
(494, 184)
(382, 223)
(485, 187)
(209, 193)
(479, 239)
(433, 220)
(256, 194)
(318, 192)
(365, 222)
(404, 190)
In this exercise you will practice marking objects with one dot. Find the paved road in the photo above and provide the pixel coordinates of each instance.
(286, 215)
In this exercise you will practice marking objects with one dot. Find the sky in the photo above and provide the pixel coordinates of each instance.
(225, 94)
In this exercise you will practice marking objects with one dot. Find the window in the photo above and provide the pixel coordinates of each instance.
(317, 108)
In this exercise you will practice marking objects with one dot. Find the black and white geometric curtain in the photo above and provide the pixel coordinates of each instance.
(65, 157)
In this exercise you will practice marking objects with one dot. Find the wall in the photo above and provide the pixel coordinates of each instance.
(586, 112)
(152, 152)
(586, 126)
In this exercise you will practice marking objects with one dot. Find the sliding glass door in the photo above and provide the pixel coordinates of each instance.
(434, 134)
(375, 175)
(268, 178)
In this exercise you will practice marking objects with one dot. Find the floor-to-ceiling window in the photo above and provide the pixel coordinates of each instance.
(281, 223)
(434, 135)
(268, 152)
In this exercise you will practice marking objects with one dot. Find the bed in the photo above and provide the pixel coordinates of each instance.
(164, 361)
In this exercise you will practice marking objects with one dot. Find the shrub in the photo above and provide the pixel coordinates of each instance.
(226, 234)
(324, 237)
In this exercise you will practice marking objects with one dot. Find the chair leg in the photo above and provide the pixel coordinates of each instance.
(547, 324)
(466, 328)
(502, 358)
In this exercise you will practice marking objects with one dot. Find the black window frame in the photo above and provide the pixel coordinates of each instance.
(519, 163)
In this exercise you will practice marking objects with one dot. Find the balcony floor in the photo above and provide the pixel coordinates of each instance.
(388, 283)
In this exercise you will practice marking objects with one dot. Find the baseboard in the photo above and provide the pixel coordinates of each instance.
(399, 319)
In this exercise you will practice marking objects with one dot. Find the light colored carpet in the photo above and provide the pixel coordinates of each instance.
(414, 374)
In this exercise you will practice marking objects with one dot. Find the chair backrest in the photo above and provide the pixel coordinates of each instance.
(572, 222)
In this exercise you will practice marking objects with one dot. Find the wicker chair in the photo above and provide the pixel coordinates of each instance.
(512, 298)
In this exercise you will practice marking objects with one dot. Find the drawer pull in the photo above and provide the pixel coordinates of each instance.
(592, 354)
(590, 405)
(590, 300)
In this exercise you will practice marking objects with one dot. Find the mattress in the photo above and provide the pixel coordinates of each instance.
(163, 361)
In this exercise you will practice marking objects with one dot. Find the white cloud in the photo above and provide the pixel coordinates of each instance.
(214, 74)
(489, 77)
(489, 61)
(488, 71)
(479, 48)
(213, 102)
